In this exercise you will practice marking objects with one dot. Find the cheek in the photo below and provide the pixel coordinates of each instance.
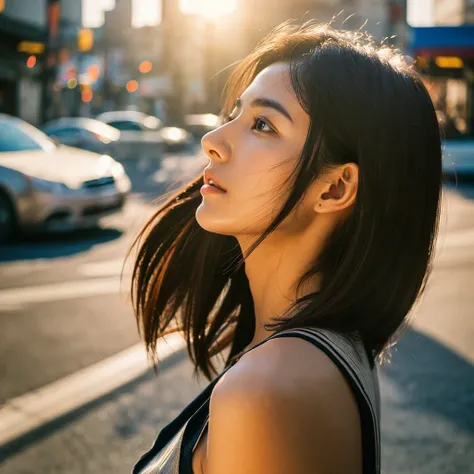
(260, 187)
(260, 171)
(248, 208)
(257, 192)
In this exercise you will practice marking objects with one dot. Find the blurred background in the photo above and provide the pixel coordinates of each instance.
(102, 107)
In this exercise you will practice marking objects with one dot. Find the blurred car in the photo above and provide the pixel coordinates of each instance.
(48, 187)
(140, 127)
(176, 138)
(200, 124)
(85, 133)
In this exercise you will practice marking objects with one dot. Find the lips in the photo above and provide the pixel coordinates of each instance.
(211, 180)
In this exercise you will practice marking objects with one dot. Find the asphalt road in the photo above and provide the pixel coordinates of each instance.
(70, 314)
(64, 304)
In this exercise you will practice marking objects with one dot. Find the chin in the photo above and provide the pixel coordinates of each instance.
(208, 219)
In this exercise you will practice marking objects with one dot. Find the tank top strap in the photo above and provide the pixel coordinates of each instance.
(171, 435)
(348, 353)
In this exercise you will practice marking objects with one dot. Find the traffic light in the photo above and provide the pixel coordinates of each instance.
(2, 5)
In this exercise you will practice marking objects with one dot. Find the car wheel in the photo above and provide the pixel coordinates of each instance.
(7, 220)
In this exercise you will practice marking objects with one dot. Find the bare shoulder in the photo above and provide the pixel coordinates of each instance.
(283, 407)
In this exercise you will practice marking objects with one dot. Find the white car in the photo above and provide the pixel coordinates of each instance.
(50, 187)
(140, 135)
(145, 135)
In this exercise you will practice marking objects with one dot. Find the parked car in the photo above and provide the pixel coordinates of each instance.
(85, 133)
(140, 128)
(200, 124)
(50, 187)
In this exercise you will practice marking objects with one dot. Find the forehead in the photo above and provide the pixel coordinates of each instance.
(272, 83)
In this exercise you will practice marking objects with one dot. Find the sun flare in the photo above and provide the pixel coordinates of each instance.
(209, 9)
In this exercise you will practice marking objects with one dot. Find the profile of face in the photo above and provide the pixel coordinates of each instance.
(252, 155)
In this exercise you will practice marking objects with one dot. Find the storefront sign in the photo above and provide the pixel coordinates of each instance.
(30, 47)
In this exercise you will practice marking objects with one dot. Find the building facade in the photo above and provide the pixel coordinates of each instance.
(26, 27)
(23, 34)
(444, 53)
(201, 52)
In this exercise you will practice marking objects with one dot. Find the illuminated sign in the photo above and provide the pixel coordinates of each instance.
(30, 48)
(449, 62)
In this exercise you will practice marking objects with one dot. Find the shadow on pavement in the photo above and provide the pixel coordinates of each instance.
(24, 441)
(57, 245)
(433, 379)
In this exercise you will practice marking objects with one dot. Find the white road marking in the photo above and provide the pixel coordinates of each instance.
(104, 268)
(27, 412)
(59, 291)
(462, 238)
(110, 283)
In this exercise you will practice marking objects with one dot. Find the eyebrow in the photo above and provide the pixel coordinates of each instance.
(270, 103)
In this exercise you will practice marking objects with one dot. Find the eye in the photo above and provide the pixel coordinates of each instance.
(260, 124)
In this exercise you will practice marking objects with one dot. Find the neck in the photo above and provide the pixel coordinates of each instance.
(274, 269)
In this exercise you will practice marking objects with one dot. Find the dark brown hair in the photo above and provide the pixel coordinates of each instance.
(367, 106)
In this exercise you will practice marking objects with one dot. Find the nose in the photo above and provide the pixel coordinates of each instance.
(215, 146)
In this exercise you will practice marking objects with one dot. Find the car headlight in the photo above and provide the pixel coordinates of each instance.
(46, 186)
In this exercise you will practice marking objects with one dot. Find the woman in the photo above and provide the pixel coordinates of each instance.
(302, 248)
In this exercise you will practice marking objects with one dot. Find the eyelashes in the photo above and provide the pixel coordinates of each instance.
(256, 120)
(265, 123)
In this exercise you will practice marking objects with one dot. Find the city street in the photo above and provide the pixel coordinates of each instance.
(63, 308)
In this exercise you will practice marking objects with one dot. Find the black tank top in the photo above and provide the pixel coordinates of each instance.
(172, 451)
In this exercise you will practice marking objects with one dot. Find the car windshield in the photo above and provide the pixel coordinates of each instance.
(20, 136)
(66, 128)
(126, 125)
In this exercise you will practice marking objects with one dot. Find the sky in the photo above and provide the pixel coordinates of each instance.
(145, 12)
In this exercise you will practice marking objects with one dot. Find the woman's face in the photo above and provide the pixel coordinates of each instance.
(252, 155)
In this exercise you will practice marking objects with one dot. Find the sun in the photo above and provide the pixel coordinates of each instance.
(209, 9)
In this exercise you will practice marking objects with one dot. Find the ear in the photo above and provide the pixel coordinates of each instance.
(337, 189)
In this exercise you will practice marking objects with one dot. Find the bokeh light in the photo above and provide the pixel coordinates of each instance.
(93, 71)
(31, 62)
(72, 83)
(132, 85)
(145, 66)
(86, 95)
